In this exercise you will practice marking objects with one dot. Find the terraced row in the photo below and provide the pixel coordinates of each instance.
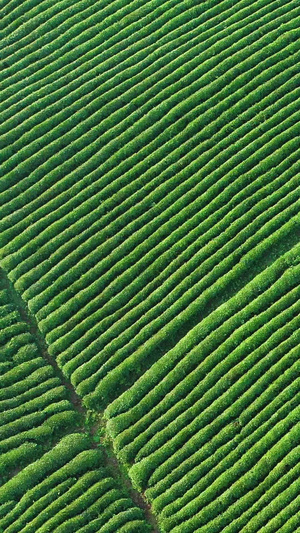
(123, 222)
(208, 424)
(149, 208)
(44, 485)
(34, 405)
(68, 489)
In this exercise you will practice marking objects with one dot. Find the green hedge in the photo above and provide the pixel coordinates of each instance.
(230, 93)
(191, 369)
(18, 457)
(66, 450)
(204, 466)
(243, 477)
(161, 368)
(87, 310)
(119, 370)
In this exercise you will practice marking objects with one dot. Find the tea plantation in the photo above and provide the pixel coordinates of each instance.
(150, 266)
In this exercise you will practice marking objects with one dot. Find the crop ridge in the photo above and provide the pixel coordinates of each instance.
(150, 239)
(30, 320)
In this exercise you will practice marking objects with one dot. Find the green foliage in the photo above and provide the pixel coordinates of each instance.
(149, 208)
(67, 488)
(18, 457)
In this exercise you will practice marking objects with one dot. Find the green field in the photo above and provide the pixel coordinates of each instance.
(150, 266)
